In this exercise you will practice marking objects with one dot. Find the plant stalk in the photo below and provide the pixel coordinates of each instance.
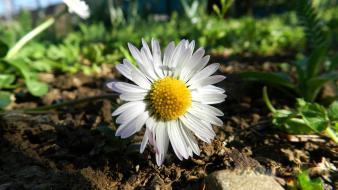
(267, 100)
(29, 36)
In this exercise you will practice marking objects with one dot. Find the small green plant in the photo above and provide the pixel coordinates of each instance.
(304, 182)
(307, 118)
(8, 77)
(10, 60)
(14, 63)
(191, 11)
(6, 80)
(225, 6)
(311, 73)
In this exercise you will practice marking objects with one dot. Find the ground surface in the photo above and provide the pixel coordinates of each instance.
(74, 147)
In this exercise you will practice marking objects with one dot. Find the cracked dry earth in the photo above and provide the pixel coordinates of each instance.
(75, 148)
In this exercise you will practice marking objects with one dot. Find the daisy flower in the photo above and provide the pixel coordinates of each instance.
(78, 7)
(170, 96)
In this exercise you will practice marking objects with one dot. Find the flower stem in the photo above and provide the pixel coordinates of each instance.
(330, 132)
(29, 36)
(267, 100)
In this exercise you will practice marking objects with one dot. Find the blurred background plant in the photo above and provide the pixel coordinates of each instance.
(221, 10)
(15, 57)
(304, 79)
(226, 28)
(315, 68)
(304, 182)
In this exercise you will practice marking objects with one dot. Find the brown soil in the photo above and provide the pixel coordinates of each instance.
(74, 147)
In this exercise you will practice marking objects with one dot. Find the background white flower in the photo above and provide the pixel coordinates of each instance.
(171, 97)
(78, 7)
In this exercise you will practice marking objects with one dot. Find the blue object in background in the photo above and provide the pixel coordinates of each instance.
(13, 6)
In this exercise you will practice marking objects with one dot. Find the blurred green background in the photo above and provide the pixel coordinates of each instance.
(226, 28)
(263, 27)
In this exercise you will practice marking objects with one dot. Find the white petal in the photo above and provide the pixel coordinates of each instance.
(168, 52)
(130, 113)
(208, 98)
(133, 96)
(206, 116)
(111, 85)
(199, 128)
(124, 87)
(124, 70)
(197, 67)
(151, 124)
(204, 73)
(140, 79)
(79, 7)
(185, 140)
(135, 52)
(177, 141)
(188, 70)
(144, 140)
(144, 62)
(189, 139)
(148, 136)
(162, 143)
(147, 68)
(204, 61)
(207, 81)
(208, 108)
(209, 89)
(157, 62)
(128, 65)
(147, 50)
(126, 130)
(197, 56)
(192, 45)
(186, 55)
(127, 106)
(177, 55)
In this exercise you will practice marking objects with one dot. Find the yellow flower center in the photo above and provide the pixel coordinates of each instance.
(169, 98)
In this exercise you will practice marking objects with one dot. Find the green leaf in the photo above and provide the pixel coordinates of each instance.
(23, 67)
(315, 84)
(216, 10)
(42, 65)
(314, 115)
(6, 80)
(276, 79)
(36, 88)
(321, 79)
(334, 62)
(287, 121)
(313, 27)
(3, 49)
(297, 126)
(5, 99)
(301, 71)
(315, 61)
(305, 182)
(282, 114)
(333, 111)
